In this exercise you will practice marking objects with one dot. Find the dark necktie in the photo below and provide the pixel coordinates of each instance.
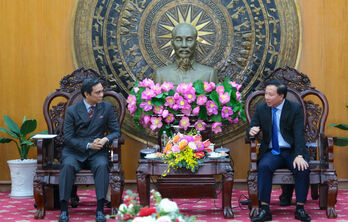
(275, 142)
(90, 113)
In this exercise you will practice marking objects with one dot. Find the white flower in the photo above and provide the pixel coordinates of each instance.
(144, 219)
(168, 206)
(163, 219)
(192, 145)
(130, 206)
(123, 207)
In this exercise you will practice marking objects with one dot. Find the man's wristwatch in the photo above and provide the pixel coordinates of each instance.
(300, 156)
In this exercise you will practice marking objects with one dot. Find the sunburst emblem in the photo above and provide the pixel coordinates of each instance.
(194, 21)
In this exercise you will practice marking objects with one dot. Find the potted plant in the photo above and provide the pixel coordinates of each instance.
(340, 141)
(22, 170)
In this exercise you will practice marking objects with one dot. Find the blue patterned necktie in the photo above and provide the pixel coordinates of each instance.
(275, 143)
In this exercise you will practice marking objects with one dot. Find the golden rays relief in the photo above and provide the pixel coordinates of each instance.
(190, 20)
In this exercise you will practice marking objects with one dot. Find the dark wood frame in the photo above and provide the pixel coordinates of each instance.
(322, 175)
(49, 150)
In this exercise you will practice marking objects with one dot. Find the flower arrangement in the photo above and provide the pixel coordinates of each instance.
(157, 106)
(185, 151)
(164, 210)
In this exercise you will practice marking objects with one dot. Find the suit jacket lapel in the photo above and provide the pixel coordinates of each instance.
(285, 113)
(82, 111)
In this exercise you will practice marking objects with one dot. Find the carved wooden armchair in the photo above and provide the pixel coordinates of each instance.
(315, 108)
(49, 150)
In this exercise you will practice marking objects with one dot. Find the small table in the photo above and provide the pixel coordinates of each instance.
(155, 167)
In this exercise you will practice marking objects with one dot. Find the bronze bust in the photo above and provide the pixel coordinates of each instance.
(185, 69)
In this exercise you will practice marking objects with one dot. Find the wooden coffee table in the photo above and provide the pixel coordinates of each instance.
(155, 167)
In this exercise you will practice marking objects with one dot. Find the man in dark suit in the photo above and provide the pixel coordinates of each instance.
(85, 126)
(283, 146)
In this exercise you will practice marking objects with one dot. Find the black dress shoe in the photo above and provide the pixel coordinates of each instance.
(264, 215)
(245, 202)
(284, 200)
(64, 216)
(100, 217)
(300, 214)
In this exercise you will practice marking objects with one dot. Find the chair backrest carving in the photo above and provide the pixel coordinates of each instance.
(314, 103)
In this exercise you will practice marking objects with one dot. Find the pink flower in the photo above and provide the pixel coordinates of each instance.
(131, 99)
(156, 122)
(132, 108)
(184, 88)
(216, 127)
(165, 113)
(211, 108)
(220, 89)
(200, 125)
(226, 112)
(190, 96)
(200, 146)
(224, 98)
(176, 149)
(186, 110)
(177, 96)
(147, 106)
(195, 111)
(166, 86)
(170, 101)
(236, 85)
(201, 100)
(208, 87)
(182, 103)
(147, 83)
(147, 94)
(189, 138)
(170, 118)
(235, 121)
(238, 95)
(146, 119)
(156, 88)
(136, 89)
(184, 123)
(158, 110)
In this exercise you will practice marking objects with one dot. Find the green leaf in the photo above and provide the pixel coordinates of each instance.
(27, 142)
(216, 118)
(12, 125)
(9, 132)
(215, 97)
(202, 113)
(341, 141)
(158, 101)
(199, 86)
(5, 140)
(340, 126)
(28, 126)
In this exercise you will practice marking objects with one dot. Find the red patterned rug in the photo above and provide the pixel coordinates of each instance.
(204, 210)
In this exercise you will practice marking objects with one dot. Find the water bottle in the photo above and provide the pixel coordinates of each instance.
(164, 139)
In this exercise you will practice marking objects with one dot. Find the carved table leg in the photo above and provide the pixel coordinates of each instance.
(253, 195)
(226, 193)
(143, 184)
(331, 196)
(116, 192)
(39, 197)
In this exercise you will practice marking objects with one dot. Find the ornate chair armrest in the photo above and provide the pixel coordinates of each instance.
(253, 153)
(41, 150)
(116, 149)
(326, 146)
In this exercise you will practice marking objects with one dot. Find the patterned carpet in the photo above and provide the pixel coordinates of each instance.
(204, 210)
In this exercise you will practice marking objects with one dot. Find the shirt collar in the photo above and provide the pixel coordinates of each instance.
(86, 104)
(280, 107)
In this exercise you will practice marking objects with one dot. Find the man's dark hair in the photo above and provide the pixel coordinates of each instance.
(88, 84)
(282, 89)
